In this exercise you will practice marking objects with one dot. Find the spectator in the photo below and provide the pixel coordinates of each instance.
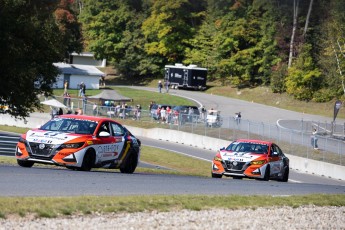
(60, 111)
(163, 114)
(167, 84)
(138, 112)
(238, 117)
(65, 85)
(94, 108)
(314, 139)
(160, 86)
(168, 114)
(53, 113)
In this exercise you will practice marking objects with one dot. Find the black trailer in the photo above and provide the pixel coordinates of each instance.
(190, 77)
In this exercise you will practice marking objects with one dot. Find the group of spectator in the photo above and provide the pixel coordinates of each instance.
(122, 110)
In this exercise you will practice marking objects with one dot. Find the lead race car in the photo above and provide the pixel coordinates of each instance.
(80, 142)
(254, 159)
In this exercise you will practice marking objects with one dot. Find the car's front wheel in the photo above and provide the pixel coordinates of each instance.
(214, 175)
(267, 174)
(88, 161)
(26, 164)
(131, 163)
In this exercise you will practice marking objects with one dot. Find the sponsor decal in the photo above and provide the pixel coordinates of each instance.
(110, 148)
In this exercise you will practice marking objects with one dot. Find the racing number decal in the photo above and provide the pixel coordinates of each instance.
(51, 133)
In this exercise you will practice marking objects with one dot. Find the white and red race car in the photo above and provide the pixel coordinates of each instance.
(80, 142)
(255, 159)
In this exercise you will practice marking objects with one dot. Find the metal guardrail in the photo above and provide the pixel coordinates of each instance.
(8, 144)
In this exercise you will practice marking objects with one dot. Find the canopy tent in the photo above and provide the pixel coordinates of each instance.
(110, 95)
(53, 103)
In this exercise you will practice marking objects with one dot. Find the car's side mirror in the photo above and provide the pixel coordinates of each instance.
(104, 134)
(222, 148)
(274, 154)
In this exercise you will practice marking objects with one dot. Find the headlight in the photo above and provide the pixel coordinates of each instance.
(258, 162)
(72, 145)
(217, 157)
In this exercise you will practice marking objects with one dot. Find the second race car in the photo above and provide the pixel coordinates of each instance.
(255, 159)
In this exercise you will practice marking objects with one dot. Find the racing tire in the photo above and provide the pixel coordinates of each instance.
(285, 177)
(25, 164)
(131, 163)
(88, 161)
(214, 175)
(267, 174)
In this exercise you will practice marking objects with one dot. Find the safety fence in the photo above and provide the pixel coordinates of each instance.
(294, 137)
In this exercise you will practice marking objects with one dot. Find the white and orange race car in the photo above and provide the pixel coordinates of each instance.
(255, 159)
(80, 142)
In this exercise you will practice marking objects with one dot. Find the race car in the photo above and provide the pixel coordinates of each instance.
(255, 159)
(80, 142)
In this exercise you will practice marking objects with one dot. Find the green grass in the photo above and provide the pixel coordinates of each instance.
(56, 206)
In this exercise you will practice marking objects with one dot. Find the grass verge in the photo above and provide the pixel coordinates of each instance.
(64, 206)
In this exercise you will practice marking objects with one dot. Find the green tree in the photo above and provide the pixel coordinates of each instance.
(30, 42)
(303, 78)
(169, 28)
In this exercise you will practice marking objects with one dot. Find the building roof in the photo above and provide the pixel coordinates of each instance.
(78, 69)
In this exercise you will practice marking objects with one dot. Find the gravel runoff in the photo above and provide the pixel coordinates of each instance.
(306, 217)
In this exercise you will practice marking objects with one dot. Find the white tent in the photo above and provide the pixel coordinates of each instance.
(54, 103)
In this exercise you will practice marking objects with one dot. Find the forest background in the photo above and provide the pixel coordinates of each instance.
(291, 46)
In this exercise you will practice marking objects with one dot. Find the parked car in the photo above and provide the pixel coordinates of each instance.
(186, 113)
(255, 159)
(80, 142)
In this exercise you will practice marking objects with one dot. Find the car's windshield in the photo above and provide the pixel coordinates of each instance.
(248, 147)
(69, 125)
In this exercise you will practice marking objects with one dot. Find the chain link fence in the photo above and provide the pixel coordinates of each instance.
(293, 136)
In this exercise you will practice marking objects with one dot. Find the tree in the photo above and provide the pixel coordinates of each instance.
(30, 43)
(303, 78)
(294, 28)
(170, 27)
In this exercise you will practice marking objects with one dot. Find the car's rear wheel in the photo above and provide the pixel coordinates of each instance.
(267, 174)
(214, 175)
(26, 164)
(131, 163)
(88, 161)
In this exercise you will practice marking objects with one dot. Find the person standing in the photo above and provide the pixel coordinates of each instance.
(238, 117)
(160, 86)
(81, 89)
(314, 139)
(167, 84)
(94, 108)
(65, 86)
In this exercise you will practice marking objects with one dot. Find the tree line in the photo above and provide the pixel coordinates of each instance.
(292, 46)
